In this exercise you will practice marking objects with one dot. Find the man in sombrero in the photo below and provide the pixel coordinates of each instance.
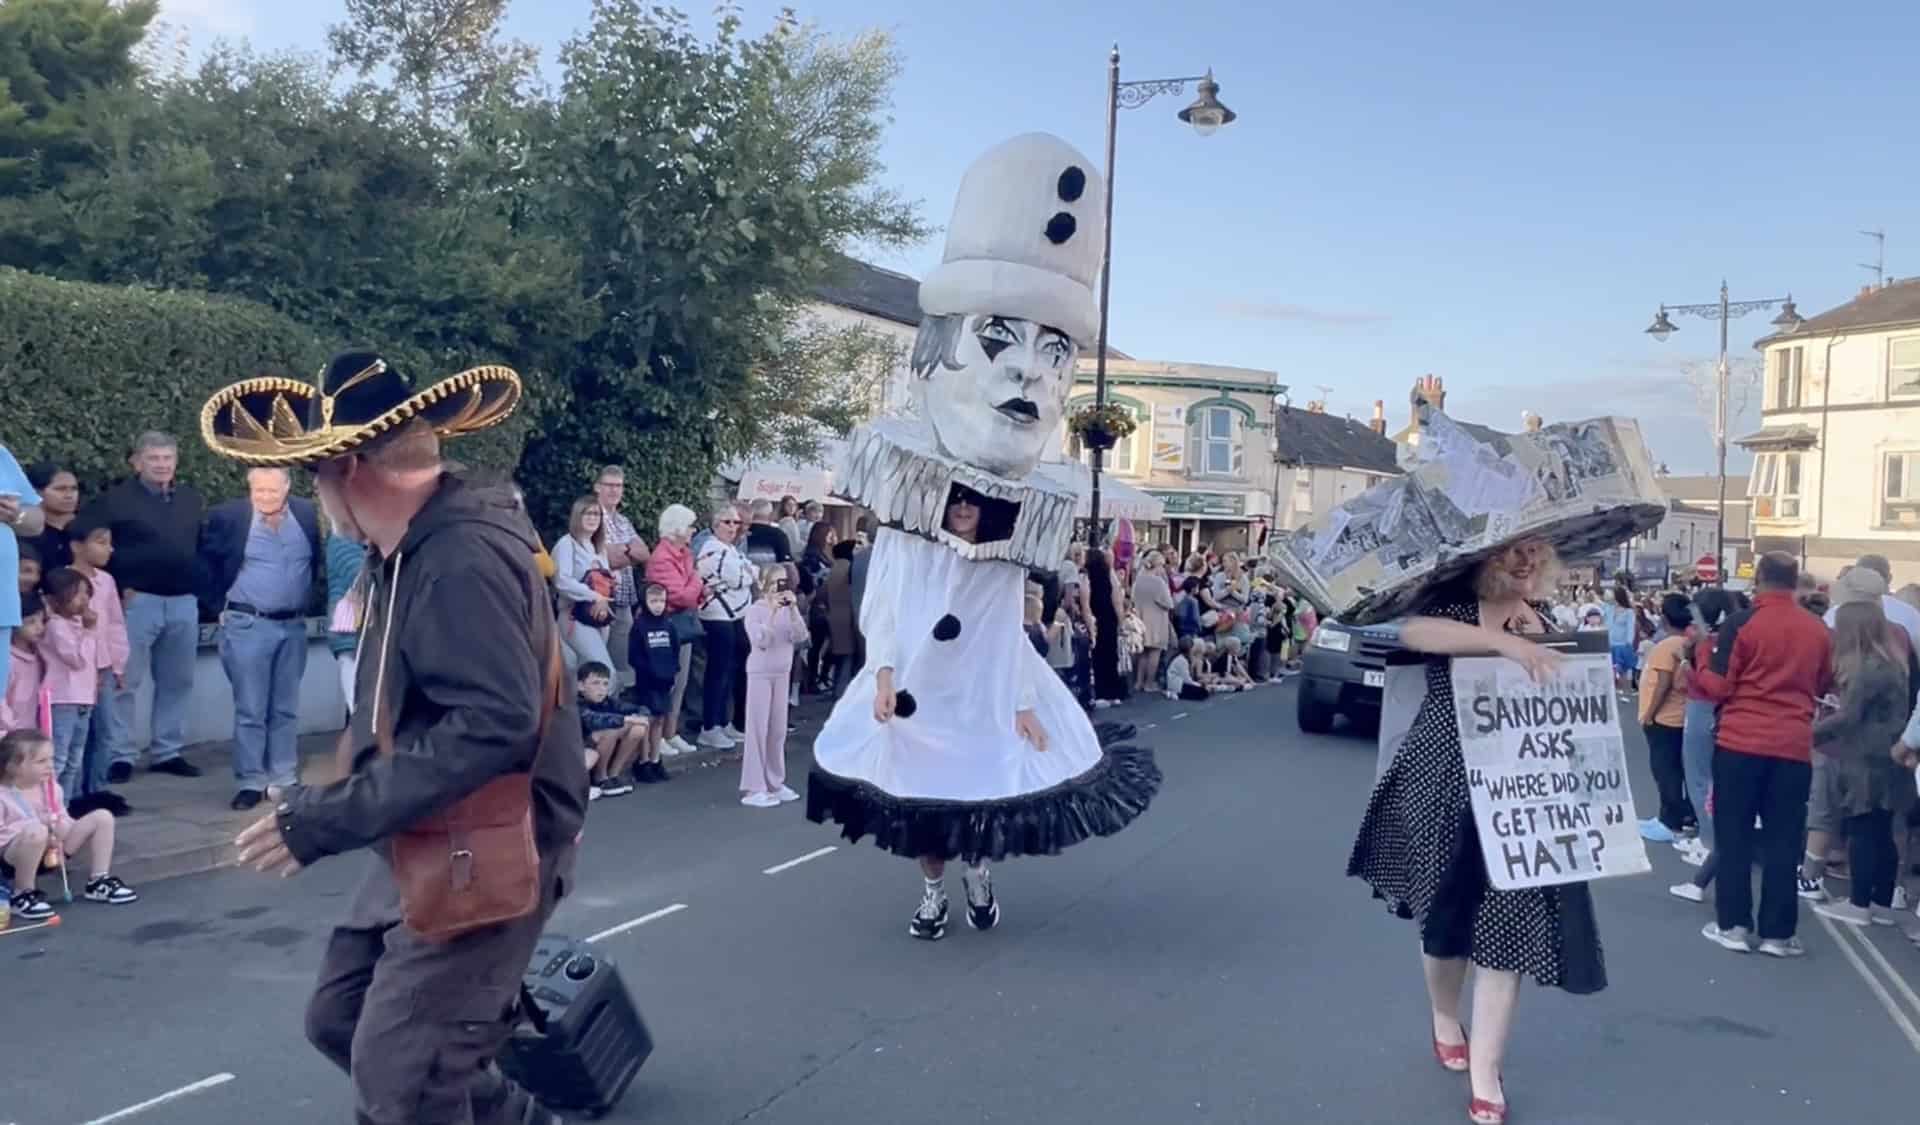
(461, 763)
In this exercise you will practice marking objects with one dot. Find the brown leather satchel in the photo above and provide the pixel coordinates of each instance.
(475, 865)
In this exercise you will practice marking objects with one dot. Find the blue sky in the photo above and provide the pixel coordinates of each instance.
(1498, 194)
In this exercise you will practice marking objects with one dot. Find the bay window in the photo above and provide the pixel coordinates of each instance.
(1900, 490)
(1775, 486)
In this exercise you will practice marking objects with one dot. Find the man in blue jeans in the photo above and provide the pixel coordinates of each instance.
(257, 556)
(19, 515)
(156, 532)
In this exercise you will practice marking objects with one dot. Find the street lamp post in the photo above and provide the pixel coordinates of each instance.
(1723, 311)
(1206, 114)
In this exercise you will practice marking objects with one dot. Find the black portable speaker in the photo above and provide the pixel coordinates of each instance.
(582, 1040)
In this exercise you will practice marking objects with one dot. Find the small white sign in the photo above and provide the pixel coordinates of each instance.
(1373, 679)
(1547, 768)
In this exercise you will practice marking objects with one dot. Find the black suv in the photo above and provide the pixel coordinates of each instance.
(1343, 673)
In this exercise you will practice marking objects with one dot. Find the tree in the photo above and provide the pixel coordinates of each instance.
(442, 54)
(710, 183)
(54, 56)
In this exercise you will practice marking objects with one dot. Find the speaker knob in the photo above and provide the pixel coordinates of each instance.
(580, 968)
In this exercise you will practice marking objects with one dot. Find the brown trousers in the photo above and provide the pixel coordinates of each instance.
(416, 1024)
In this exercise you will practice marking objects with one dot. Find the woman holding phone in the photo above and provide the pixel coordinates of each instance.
(774, 628)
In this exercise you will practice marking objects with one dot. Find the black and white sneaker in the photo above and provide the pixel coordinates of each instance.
(30, 905)
(109, 888)
(983, 910)
(930, 921)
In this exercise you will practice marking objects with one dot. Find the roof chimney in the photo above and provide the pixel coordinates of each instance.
(1529, 421)
(1865, 291)
(1379, 423)
(1433, 389)
(1317, 406)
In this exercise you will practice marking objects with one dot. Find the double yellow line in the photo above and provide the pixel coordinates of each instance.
(1892, 989)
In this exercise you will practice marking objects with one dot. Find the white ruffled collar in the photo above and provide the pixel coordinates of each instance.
(894, 467)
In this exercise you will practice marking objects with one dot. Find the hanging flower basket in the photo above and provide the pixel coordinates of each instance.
(1100, 427)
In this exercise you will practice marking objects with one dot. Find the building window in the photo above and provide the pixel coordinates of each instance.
(1786, 377)
(1903, 368)
(1900, 495)
(1302, 492)
(1775, 486)
(1215, 442)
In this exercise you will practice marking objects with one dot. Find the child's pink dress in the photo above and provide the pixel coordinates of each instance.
(20, 809)
(771, 635)
(25, 703)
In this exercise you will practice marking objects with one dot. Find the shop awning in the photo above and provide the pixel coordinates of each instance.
(1118, 499)
(772, 478)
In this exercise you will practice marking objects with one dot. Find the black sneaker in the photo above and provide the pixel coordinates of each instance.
(119, 773)
(930, 921)
(246, 799)
(657, 771)
(109, 888)
(983, 910)
(31, 905)
(178, 767)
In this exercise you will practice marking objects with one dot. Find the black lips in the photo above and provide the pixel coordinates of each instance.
(1022, 407)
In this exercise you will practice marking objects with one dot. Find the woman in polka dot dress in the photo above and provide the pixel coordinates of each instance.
(1419, 850)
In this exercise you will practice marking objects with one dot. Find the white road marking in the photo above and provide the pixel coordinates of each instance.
(1892, 1006)
(1893, 975)
(1180, 715)
(815, 854)
(194, 1088)
(1150, 726)
(638, 922)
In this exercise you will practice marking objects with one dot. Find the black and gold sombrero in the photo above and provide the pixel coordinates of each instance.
(358, 396)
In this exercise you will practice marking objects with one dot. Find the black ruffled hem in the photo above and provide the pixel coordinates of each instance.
(1099, 802)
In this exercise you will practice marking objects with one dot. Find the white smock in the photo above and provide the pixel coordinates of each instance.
(952, 631)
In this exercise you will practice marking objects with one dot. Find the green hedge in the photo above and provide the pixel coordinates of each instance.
(85, 369)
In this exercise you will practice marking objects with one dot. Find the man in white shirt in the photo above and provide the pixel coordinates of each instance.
(1897, 611)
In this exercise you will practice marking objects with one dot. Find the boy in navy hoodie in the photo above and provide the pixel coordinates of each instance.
(653, 651)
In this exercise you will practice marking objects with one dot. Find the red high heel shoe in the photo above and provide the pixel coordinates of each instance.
(1483, 1112)
(1454, 1057)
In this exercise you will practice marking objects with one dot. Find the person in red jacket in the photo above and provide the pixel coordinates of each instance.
(670, 567)
(1772, 665)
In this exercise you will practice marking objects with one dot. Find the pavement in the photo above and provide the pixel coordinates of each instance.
(1209, 964)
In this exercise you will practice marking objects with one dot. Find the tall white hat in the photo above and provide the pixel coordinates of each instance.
(1026, 238)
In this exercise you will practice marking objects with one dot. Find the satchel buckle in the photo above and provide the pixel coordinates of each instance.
(462, 869)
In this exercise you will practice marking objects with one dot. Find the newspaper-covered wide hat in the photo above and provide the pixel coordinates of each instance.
(1581, 486)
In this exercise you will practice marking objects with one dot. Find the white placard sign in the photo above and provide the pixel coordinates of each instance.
(1547, 768)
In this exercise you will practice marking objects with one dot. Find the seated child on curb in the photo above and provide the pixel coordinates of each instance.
(1180, 681)
(614, 730)
(1232, 669)
(37, 835)
(653, 650)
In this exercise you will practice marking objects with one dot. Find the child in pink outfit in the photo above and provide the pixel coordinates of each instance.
(72, 654)
(20, 702)
(774, 627)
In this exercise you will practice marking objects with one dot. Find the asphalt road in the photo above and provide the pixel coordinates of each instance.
(1210, 964)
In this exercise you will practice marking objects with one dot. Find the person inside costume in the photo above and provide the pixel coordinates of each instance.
(956, 741)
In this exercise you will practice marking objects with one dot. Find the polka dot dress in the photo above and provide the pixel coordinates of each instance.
(1419, 850)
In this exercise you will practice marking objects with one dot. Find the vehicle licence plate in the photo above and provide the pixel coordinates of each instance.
(1374, 679)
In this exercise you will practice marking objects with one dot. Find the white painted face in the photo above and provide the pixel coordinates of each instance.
(999, 392)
